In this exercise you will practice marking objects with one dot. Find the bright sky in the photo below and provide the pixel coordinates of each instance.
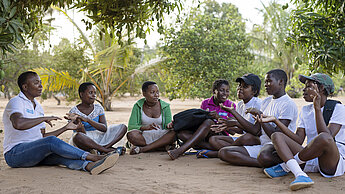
(247, 8)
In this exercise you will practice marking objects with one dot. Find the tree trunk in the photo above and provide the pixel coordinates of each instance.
(107, 104)
(57, 99)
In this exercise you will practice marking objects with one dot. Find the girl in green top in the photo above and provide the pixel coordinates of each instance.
(149, 122)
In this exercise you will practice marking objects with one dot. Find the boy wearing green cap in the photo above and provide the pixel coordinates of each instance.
(325, 150)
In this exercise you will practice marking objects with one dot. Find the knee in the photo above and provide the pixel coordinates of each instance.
(324, 139)
(212, 140)
(78, 137)
(132, 136)
(277, 137)
(123, 128)
(226, 154)
(265, 159)
(208, 122)
(222, 153)
(52, 139)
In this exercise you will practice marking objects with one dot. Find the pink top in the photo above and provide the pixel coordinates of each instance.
(209, 105)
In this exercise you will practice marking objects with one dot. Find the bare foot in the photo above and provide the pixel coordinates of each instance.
(173, 154)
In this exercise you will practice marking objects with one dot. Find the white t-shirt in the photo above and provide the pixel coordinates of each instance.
(307, 121)
(281, 108)
(241, 108)
(21, 104)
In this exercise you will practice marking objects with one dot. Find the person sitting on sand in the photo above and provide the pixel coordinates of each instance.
(26, 143)
(94, 134)
(247, 90)
(199, 137)
(325, 150)
(150, 121)
(279, 105)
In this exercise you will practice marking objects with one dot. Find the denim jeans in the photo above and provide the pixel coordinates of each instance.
(46, 151)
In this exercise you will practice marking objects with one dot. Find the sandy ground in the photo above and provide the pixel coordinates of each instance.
(150, 172)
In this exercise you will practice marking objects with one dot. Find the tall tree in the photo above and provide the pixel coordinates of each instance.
(269, 42)
(23, 17)
(210, 43)
(319, 26)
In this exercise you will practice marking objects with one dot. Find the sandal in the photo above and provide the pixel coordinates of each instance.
(134, 150)
(121, 150)
(202, 153)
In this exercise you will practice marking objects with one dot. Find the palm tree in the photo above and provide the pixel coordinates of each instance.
(110, 69)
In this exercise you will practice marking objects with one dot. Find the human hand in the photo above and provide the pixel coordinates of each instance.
(217, 128)
(74, 117)
(253, 111)
(214, 115)
(315, 94)
(264, 118)
(227, 109)
(170, 125)
(72, 126)
(152, 126)
(51, 118)
(230, 122)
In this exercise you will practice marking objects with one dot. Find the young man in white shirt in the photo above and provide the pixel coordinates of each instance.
(26, 144)
(325, 150)
(279, 105)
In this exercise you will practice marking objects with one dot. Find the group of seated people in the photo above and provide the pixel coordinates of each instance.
(267, 136)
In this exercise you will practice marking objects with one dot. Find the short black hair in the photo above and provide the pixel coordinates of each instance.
(23, 77)
(218, 83)
(146, 85)
(83, 87)
(256, 89)
(279, 74)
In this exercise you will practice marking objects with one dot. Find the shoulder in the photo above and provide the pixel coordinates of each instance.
(99, 107)
(140, 103)
(74, 109)
(339, 108)
(240, 103)
(228, 103)
(15, 102)
(287, 100)
(307, 108)
(163, 103)
(206, 101)
(267, 100)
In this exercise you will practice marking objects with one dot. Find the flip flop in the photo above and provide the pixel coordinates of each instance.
(134, 150)
(191, 152)
(199, 154)
(104, 164)
(121, 150)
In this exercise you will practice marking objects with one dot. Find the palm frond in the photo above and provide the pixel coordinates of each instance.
(55, 81)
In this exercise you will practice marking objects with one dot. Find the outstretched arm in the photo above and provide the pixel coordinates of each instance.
(22, 123)
(245, 125)
(298, 137)
(68, 126)
(101, 125)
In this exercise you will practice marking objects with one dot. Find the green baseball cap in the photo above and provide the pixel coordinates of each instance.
(321, 78)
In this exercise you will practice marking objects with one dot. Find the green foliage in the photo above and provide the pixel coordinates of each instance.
(209, 44)
(129, 16)
(319, 26)
(21, 60)
(21, 18)
(269, 42)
